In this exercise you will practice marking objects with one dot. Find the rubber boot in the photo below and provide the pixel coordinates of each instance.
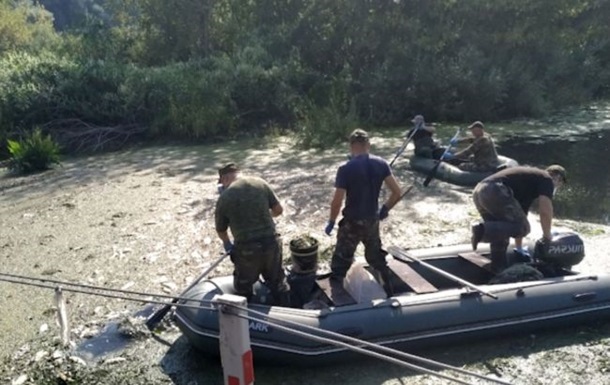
(282, 299)
(384, 277)
(499, 260)
(478, 231)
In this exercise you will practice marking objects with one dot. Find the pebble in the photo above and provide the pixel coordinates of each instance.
(40, 355)
(20, 380)
(78, 360)
(115, 360)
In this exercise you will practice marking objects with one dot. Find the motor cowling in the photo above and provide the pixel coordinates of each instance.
(566, 249)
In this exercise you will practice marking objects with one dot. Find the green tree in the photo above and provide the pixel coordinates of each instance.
(24, 26)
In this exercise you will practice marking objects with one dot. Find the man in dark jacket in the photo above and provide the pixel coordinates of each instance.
(358, 182)
(422, 136)
(504, 199)
(247, 206)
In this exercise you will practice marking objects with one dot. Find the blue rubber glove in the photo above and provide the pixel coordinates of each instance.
(447, 156)
(522, 255)
(228, 245)
(453, 141)
(329, 227)
(523, 251)
(384, 212)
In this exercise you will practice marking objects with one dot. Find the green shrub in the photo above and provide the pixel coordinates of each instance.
(327, 122)
(36, 152)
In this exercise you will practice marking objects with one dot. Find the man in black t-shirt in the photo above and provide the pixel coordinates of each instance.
(504, 199)
(358, 182)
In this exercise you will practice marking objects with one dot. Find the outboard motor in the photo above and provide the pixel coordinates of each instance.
(566, 250)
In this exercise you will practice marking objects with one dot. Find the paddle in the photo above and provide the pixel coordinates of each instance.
(158, 315)
(406, 142)
(438, 163)
(402, 255)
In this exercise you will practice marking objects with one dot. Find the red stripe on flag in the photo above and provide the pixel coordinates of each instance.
(233, 380)
(248, 366)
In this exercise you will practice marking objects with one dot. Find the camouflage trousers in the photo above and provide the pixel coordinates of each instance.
(350, 234)
(503, 218)
(478, 167)
(260, 257)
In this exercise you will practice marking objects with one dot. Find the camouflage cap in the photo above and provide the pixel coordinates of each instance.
(478, 123)
(229, 168)
(359, 136)
(556, 169)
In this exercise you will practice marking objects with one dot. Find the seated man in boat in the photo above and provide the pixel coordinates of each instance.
(247, 206)
(480, 155)
(503, 200)
(358, 182)
(425, 145)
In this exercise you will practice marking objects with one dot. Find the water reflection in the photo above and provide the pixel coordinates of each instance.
(585, 156)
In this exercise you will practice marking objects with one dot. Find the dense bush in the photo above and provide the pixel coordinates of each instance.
(328, 121)
(36, 152)
(233, 67)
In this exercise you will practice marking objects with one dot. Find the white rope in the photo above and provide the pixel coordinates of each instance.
(351, 344)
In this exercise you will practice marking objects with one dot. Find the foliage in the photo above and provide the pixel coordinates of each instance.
(24, 26)
(73, 13)
(36, 152)
(329, 122)
(203, 69)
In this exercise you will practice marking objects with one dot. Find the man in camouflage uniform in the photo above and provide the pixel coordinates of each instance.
(481, 154)
(359, 182)
(503, 200)
(247, 206)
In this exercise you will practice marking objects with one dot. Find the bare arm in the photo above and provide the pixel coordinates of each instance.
(276, 210)
(545, 209)
(336, 203)
(223, 235)
(392, 184)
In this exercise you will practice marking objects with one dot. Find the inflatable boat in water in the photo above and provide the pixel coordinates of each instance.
(452, 174)
(439, 296)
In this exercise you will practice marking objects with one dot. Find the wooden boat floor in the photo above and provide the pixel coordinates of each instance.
(478, 260)
(335, 291)
(412, 278)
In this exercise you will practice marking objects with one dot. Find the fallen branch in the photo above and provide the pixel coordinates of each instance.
(80, 136)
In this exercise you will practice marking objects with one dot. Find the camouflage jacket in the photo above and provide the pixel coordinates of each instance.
(482, 151)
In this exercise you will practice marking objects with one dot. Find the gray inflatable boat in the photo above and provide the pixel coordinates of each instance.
(452, 174)
(440, 296)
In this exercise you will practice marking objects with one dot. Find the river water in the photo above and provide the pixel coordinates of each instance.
(579, 140)
(585, 155)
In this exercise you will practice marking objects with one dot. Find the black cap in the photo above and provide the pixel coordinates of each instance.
(229, 168)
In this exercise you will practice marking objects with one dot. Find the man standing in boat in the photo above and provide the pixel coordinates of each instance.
(504, 199)
(359, 182)
(247, 205)
(481, 153)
